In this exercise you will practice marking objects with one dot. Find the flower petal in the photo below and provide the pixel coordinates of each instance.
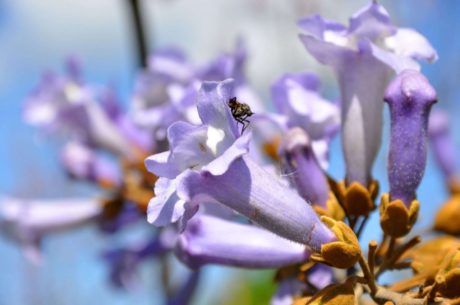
(410, 43)
(166, 207)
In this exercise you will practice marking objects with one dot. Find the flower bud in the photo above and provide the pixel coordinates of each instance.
(410, 97)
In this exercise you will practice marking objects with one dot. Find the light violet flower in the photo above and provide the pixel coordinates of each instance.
(164, 92)
(206, 164)
(297, 97)
(442, 144)
(27, 221)
(232, 65)
(84, 163)
(299, 104)
(227, 65)
(244, 245)
(363, 56)
(410, 97)
(301, 167)
(64, 103)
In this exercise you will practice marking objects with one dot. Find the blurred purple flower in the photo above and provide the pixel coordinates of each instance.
(83, 162)
(65, 103)
(364, 56)
(166, 92)
(442, 143)
(26, 221)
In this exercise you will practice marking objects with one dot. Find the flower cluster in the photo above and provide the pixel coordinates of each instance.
(228, 183)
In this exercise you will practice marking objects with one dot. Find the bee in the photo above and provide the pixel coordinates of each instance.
(240, 112)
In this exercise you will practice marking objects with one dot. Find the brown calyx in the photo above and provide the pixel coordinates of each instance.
(396, 219)
(357, 199)
(446, 219)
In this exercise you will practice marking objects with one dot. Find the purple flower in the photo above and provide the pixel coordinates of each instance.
(227, 65)
(167, 91)
(210, 240)
(410, 97)
(27, 221)
(64, 103)
(232, 65)
(300, 165)
(297, 100)
(363, 56)
(205, 164)
(443, 146)
(84, 163)
(164, 92)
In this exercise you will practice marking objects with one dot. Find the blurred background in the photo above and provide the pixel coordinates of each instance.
(36, 36)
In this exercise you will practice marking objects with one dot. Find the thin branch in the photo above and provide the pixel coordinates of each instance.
(368, 274)
(362, 225)
(371, 255)
(403, 299)
(138, 29)
(379, 252)
(391, 260)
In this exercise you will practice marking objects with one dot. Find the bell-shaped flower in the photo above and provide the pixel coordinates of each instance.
(443, 146)
(410, 97)
(206, 164)
(363, 56)
(65, 103)
(244, 245)
(27, 221)
(299, 104)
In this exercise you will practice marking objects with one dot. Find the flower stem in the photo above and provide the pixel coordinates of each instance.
(368, 275)
(371, 255)
(396, 254)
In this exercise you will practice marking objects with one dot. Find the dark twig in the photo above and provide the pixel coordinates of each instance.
(138, 29)
(362, 225)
